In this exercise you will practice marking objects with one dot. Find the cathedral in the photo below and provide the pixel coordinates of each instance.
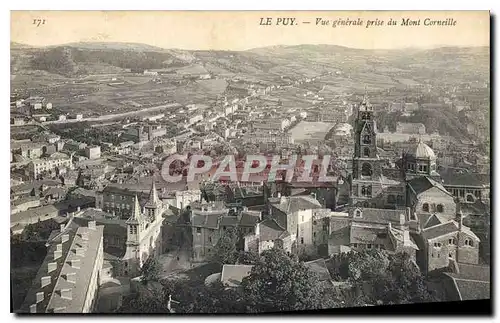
(143, 233)
(401, 208)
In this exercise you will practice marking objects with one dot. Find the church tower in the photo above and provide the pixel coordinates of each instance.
(366, 163)
(135, 228)
(154, 205)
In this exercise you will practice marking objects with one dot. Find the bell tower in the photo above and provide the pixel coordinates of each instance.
(366, 164)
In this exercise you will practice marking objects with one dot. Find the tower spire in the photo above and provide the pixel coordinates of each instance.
(136, 212)
(153, 195)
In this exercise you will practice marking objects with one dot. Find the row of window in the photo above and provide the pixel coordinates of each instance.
(461, 192)
(426, 207)
(453, 242)
(369, 246)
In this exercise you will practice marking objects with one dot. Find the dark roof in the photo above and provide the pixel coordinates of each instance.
(423, 183)
(270, 230)
(471, 290)
(229, 221)
(381, 216)
(207, 219)
(292, 204)
(476, 208)
(472, 272)
(367, 235)
(340, 237)
(318, 266)
(465, 179)
(249, 219)
(439, 230)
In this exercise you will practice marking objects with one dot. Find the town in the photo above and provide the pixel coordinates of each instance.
(97, 226)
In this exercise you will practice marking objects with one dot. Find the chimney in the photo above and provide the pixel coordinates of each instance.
(91, 225)
(402, 219)
(71, 277)
(66, 293)
(460, 218)
(389, 226)
(33, 308)
(406, 237)
(39, 297)
(64, 238)
(45, 280)
(57, 254)
(51, 267)
(75, 263)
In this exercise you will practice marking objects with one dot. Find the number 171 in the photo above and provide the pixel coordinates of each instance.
(38, 22)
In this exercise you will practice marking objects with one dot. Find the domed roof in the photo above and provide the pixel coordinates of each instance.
(422, 151)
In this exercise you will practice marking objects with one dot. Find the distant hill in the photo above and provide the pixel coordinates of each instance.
(112, 46)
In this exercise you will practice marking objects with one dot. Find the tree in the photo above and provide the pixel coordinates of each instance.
(278, 282)
(150, 270)
(248, 258)
(225, 250)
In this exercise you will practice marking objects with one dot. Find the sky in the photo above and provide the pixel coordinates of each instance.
(241, 30)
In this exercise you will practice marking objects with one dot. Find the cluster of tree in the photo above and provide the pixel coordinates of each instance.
(381, 278)
(65, 60)
(277, 282)
(83, 132)
(29, 246)
(281, 282)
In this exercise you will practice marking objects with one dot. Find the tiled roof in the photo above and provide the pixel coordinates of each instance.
(472, 272)
(229, 221)
(207, 219)
(368, 235)
(249, 218)
(381, 216)
(318, 266)
(434, 220)
(465, 179)
(232, 275)
(293, 204)
(423, 183)
(52, 299)
(440, 230)
(473, 290)
(340, 237)
(270, 230)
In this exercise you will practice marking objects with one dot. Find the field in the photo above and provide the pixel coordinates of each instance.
(310, 131)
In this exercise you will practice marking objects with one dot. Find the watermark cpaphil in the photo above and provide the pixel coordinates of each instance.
(304, 168)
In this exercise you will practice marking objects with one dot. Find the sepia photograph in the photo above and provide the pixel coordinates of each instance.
(250, 162)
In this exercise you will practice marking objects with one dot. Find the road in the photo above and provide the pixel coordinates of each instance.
(115, 116)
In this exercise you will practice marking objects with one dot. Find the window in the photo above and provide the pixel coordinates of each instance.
(391, 199)
(470, 198)
(366, 169)
(425, 207)
(365, 204)
(440, 208)
(301, 240)
(314, 222)
(366, 152)
(368, 246)
(357, 213)
(224, 228)
(437, 244)
(477, 194)
(355, 245)
(198, 230)
(424, 167)
(209, 239)
(209, 249)
(400, 199)
(367, 139)
(452, 241)
(469, 242)
(462, 193)
(450, 255)
(314, 234)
